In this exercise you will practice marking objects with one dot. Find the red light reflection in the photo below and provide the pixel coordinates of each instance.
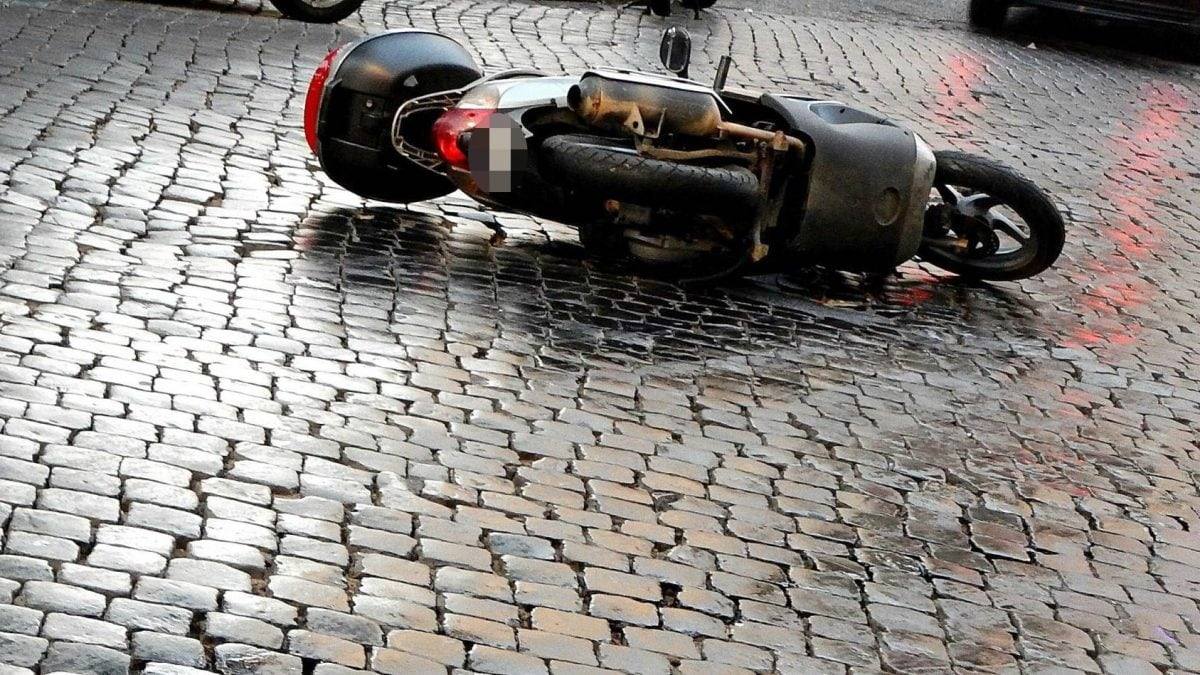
(1137, 178)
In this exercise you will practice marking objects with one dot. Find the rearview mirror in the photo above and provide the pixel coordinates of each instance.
(675, 52)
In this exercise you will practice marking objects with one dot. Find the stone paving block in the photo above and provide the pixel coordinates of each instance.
(208, 573)
(75, 657)
(17, 619)
(307, 644)
(395, 613)
(607, 581)
(23, 568)
(174, 649)
(172, 592)
(79, 629)
(235, 555)
(398, 569)
(567, 623)
(40, 546)
(455, 580)
(567, 668)
(556, 646)
(160, 618)
(308, 592)
(472, 629)
(240, 659)
(129, 560)
(232, 628)
(484, 609)
(257, 607)
(483, 658)
(22, 650)
(171, 669)
(629, 660)
(623, 609)
(53, 597)
(52, 524)
(675, 645)
(402, 663)
(349, 627)
(439, 648)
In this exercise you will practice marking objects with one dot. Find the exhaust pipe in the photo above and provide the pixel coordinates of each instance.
(650, 110)
(643, 109)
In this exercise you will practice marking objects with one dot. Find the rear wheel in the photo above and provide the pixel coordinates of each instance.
(987, 14)
(988, 222)
(687, 237)
(615, 170)
(317, 11)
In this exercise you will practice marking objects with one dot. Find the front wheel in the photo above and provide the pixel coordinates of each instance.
(317, 11)
(987, 15)
(988, 222)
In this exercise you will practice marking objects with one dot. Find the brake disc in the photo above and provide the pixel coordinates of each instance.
(983, 240)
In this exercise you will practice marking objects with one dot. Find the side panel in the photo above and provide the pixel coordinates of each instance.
(856, 210)
(370, 81)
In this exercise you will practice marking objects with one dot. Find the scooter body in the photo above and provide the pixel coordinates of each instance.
(699, 179)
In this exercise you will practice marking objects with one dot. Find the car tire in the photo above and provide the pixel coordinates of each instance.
(660, 7)
(307, 10)
(987, 15)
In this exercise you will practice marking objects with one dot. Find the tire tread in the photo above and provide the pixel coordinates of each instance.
(594, 164)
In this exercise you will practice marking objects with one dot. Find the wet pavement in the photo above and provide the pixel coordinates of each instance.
(252, 424)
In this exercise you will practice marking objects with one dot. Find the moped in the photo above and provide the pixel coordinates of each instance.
(695, 180)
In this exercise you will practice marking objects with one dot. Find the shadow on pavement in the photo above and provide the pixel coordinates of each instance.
(549, 293)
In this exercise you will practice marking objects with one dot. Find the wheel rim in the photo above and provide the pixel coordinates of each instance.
(976, 229)
(322, 4)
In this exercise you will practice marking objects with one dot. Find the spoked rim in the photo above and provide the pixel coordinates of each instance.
(977, 229)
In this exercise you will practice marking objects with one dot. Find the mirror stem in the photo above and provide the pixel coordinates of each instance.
(722, 73)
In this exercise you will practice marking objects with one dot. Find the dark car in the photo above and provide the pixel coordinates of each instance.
(990, 14)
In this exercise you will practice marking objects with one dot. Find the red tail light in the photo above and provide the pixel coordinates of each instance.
(450, 127)
(312, 101)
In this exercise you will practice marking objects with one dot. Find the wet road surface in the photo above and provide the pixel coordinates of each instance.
(252, 424)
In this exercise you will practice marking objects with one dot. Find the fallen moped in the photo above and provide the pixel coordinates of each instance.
(697, 180)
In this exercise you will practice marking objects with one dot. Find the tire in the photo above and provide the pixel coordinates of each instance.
(605, 167)
(1047, 231)
(308, 10)
(987, 15)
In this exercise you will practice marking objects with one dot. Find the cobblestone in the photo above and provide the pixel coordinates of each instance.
(249, 423)
(74, 657)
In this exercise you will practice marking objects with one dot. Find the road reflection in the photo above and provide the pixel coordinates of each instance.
(956, 107)
(1115, 283)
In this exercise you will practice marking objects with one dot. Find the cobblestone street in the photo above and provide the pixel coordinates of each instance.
(250, 423)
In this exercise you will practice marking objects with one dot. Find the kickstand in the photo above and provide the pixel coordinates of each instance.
(498, 233)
